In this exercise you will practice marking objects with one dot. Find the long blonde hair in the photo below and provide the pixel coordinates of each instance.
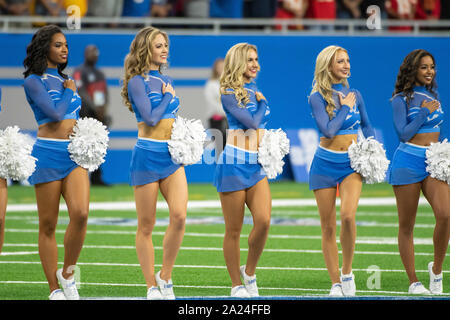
(323, 79)
(235, 65)
(139, 59)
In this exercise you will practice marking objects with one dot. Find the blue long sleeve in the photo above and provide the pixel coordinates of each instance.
(37, 92)
(230, 104)
(405, 130)
(137, 94)
(366, 126)
(327, 127)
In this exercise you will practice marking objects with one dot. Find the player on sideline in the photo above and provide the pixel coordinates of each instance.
(417, 116)
(338, 111)
(150, 95)
(54, 100)
(239, 178)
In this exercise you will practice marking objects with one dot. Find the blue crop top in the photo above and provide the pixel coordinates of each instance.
(413, 119)
(254, 115)
(149, 104)
(48, 98)
(345, 120)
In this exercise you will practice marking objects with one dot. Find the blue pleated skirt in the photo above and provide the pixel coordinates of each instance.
(150, 162)
(408, 164)
(237, 169)
(53, 160)
(328, 168)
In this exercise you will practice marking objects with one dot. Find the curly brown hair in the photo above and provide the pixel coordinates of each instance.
(406, 78)
(37, 52)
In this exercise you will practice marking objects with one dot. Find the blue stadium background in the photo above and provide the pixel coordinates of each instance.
(285, 79)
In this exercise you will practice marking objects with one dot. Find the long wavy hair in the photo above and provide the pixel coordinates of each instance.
(323, 78)
(139, 59)
(37, 52)
(235, 65)
(406, 78)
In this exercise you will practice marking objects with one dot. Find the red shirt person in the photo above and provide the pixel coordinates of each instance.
(401, 10)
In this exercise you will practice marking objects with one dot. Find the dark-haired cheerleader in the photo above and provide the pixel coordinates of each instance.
(54, 100)
(417, 117)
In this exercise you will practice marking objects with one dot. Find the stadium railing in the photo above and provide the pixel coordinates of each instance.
(224, 26)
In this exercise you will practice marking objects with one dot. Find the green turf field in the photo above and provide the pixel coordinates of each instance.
(291, 265)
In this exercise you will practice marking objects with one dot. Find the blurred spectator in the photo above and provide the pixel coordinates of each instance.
(445, 9)
(380, 3)
(93, 90)
(54, 8)
(161, 8)
(105, 8)
(428, 10)
(260, 8)
(321, 9)
(136, 8)
(215, 113)
(348, 9)
(226, 9)
(81, 4)
(401, 10)
(15, 7)
(291, 9)
(196, 8)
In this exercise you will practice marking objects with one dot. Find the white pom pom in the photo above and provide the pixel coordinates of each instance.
(273, 147)
(368, 158)
(16, 162)
(438, 160)
(186, 141)
(88, 144)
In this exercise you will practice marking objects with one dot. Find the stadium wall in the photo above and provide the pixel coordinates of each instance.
(287, 66)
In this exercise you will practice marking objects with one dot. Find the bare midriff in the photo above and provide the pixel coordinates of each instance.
(161, 131)
(245, 139)
(338, 143)
(425, 139)
(57, 130)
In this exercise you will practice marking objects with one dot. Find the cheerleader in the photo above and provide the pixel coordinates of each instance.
(3, 200)
(418, 115)
(338, 111)
(54, 100)
(151, 97)
(239, 178)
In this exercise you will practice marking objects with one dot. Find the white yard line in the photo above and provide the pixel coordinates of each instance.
(316, 294)
(359, 240)
(195, 204)
(33, 245)
(137, 265)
